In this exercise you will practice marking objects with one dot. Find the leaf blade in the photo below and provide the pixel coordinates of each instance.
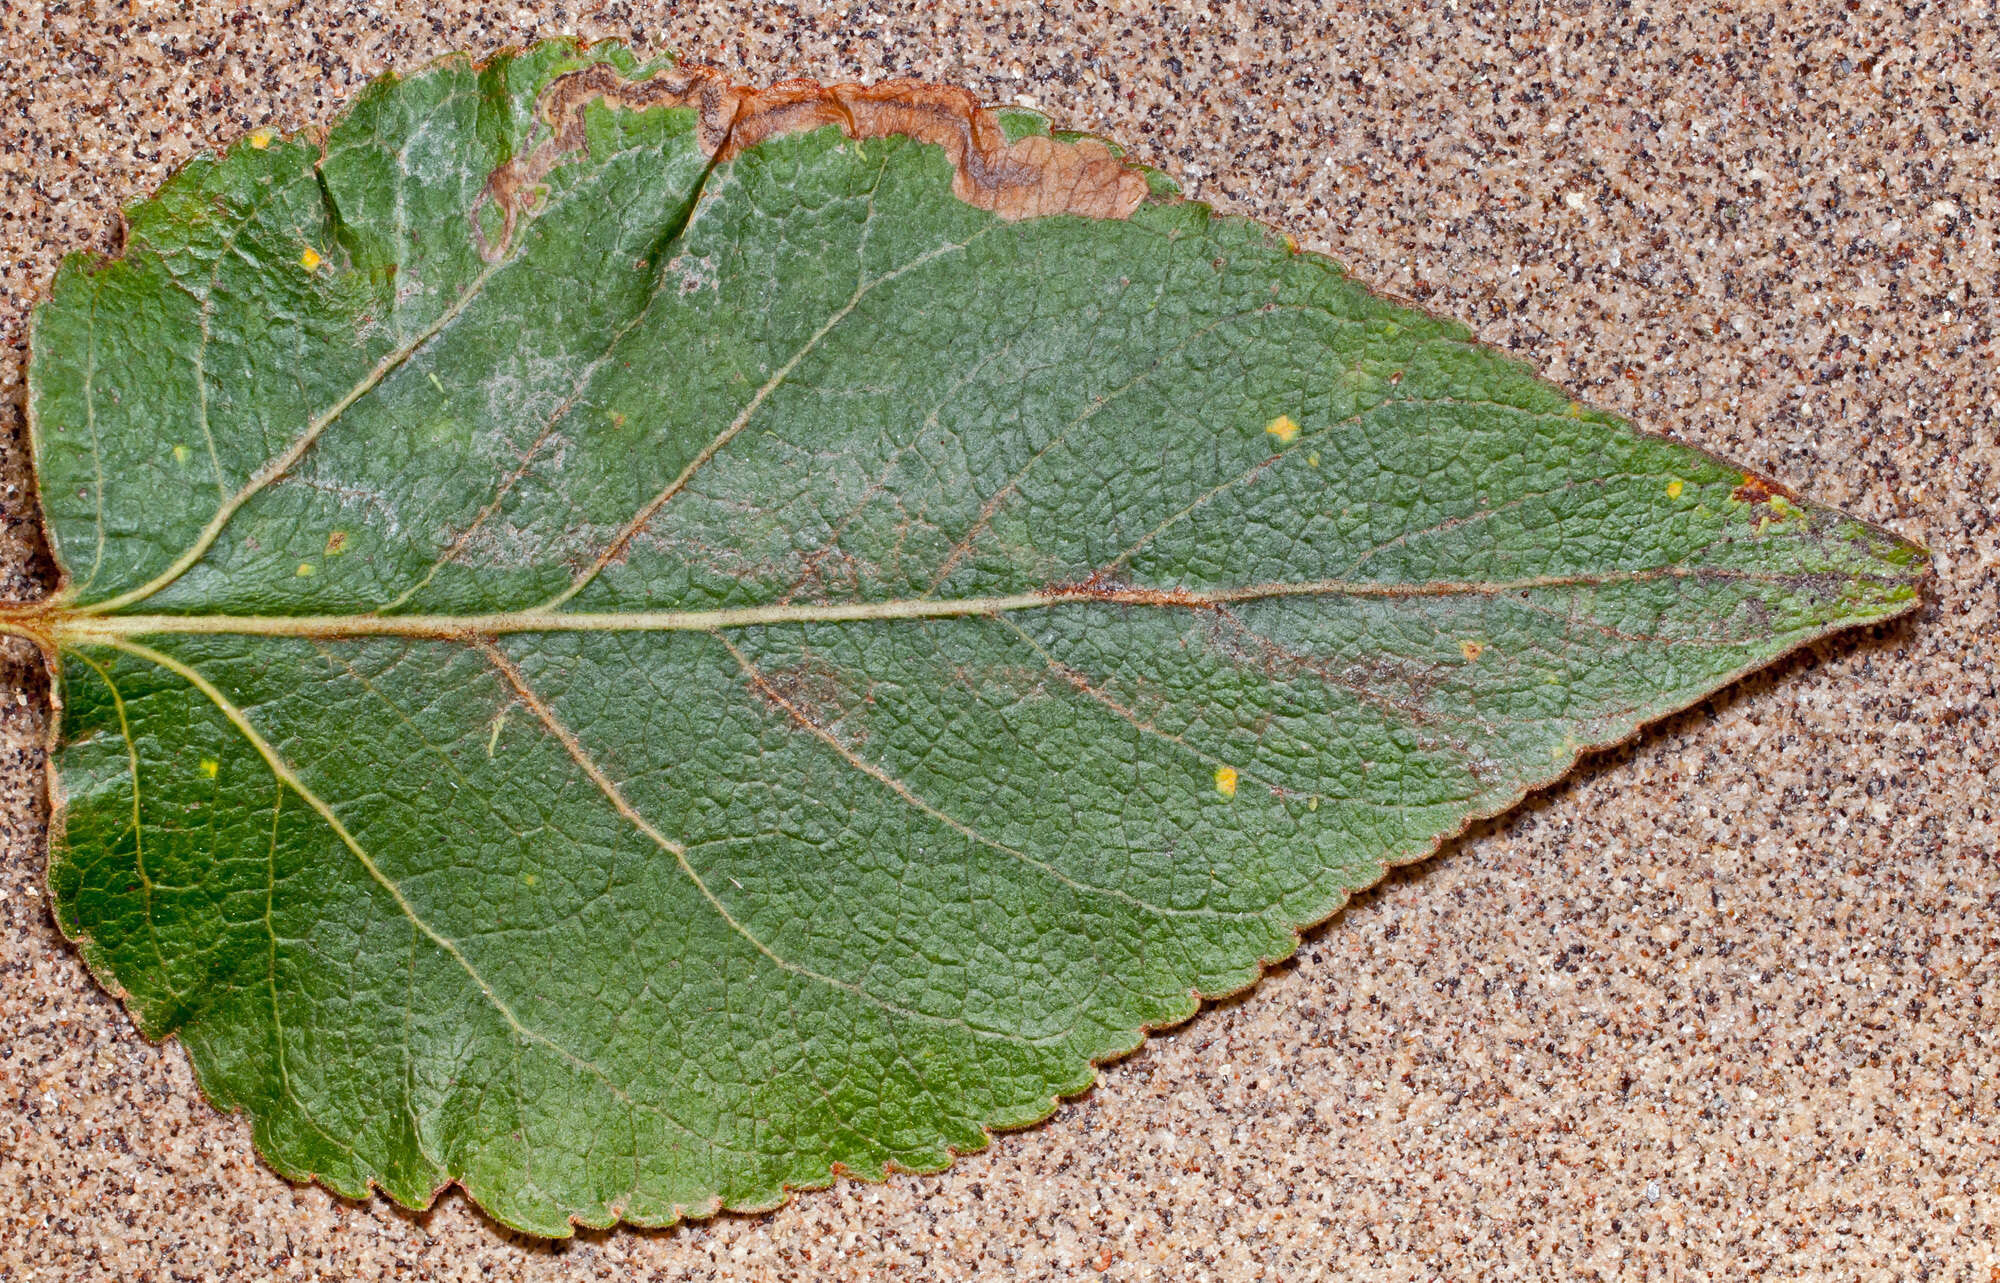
(1010, 631)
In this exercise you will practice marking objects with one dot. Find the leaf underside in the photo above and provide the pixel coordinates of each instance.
(635, 690)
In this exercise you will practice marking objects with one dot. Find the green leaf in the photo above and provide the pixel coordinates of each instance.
(633, 645)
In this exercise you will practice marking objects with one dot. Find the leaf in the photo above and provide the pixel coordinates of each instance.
(633, 644)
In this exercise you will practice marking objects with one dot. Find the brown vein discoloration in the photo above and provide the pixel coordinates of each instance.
(1031, 177)
(1249, 648)
(1117, 592)
(1098, 690)
(768, 692)
(526, 694)
(816, 691)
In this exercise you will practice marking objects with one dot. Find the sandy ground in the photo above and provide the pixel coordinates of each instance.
(1726, 1004)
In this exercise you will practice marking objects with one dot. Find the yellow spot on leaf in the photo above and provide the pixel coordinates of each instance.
(1576, 409)
(210, 767)
(1313, 458)
(305, 570)
(1225, 780)
(1312, 804)
(181, 454)
(310, 260)
(1472, 649)
(1674, 488)
(260, 139)
(336, 543)
(1282, 428)
(528, 878)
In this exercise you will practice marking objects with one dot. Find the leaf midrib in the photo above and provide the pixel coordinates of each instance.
(76, 629)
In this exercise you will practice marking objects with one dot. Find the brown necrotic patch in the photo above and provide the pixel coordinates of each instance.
(1031, 177)
(1756, 489)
